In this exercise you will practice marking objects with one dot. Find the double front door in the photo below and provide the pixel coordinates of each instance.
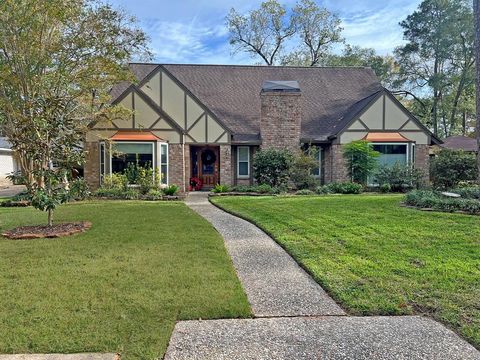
(206, 164)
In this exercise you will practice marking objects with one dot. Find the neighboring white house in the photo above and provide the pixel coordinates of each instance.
(8, 163)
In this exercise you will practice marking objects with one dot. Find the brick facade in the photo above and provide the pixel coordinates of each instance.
(280, 124)
(422, 160)
(91, 171)
(334, 164)
(226, 165)
(175, 173)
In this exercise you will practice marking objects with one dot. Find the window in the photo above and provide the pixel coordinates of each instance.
(243, 162)
(164, 162)
(102, 161)
(390, 154)
(124, 153)
(317, 172)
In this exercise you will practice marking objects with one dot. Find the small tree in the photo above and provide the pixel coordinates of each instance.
(361, 160)
(272, 166)
(450, 167)
(58, 61)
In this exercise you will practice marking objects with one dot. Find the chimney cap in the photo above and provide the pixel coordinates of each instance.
(280, 86)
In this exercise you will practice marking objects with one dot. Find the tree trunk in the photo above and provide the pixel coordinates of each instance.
(476, 9)
(50, 217)
(464, 123)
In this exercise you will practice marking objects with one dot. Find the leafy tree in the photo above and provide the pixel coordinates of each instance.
(265, 32)
(438, 59)
(58, 62)
(450, 167)
(383, 66)
(361, 160)
(476, 5)
(272, 166)
(318, 29)
(261, 32)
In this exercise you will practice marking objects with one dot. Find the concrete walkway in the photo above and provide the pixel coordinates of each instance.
(274, 283)
(295, 318)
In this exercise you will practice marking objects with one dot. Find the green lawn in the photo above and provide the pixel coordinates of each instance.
(375, 257)
(119, 287)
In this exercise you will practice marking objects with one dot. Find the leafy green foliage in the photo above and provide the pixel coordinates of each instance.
(468, 192)
(79, 189)
(360, 159)
(435, 200)
(301, 173)
(117, 193)
(171, 190)
(272, 166)
(399, 177)
(304, 192)
(115, 181)
(450, 167)
(221, 188)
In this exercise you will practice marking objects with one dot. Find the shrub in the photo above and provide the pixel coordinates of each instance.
(264, 189)
(17, 178)
(153, 194)
(323, 190)
(244, 188)
(434, 200)
(399, 177)
(221, 188)
(147, 179)
(272, 166)
(115, 181)
(115, 193)
(79, 189)
(301, 173)
(468, 192)
(361, 160)
(304, 192)
(170, 190)
(385, 188)
(345, 188)
(450, 167)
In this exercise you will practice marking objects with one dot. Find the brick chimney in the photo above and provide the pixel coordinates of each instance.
(281, 115)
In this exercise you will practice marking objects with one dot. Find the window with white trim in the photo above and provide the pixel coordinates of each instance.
(102, 161)
(391, 154)
(164, 162)
(243, 162)
(317, 172)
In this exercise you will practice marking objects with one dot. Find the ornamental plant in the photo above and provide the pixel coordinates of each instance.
(361, 160)
(272, 166)
(450, 167)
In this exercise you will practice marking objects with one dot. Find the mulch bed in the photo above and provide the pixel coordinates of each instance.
(43, 231)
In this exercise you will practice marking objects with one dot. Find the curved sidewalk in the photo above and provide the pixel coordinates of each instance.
(295, 318)
(274, 283)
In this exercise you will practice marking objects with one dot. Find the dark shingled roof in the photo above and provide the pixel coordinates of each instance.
(460, 143)
(331, 95)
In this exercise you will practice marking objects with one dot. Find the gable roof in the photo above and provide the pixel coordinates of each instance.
(464, 143)
(332, 96)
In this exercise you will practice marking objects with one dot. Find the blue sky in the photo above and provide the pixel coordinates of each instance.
(193, 31)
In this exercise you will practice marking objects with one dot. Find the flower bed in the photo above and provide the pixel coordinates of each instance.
(434, 200)
(43, 231)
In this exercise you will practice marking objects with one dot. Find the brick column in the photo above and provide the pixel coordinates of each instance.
(91, 171)
(226, 170)
(175, 163)
(334, 165)
(422, 160)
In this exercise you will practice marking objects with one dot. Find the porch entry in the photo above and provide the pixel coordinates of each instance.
(206, 164)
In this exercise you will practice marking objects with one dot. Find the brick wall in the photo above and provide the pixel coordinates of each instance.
(334, 164)
(226, 165)
(422, 160)
(175, 172)
(280, 124)
(91, 170)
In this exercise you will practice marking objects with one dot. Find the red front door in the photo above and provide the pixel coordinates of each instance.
(207, 165)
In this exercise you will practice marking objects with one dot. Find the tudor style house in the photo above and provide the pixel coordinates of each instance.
(207, 121)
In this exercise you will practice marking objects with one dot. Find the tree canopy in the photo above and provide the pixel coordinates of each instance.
(58, 61)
